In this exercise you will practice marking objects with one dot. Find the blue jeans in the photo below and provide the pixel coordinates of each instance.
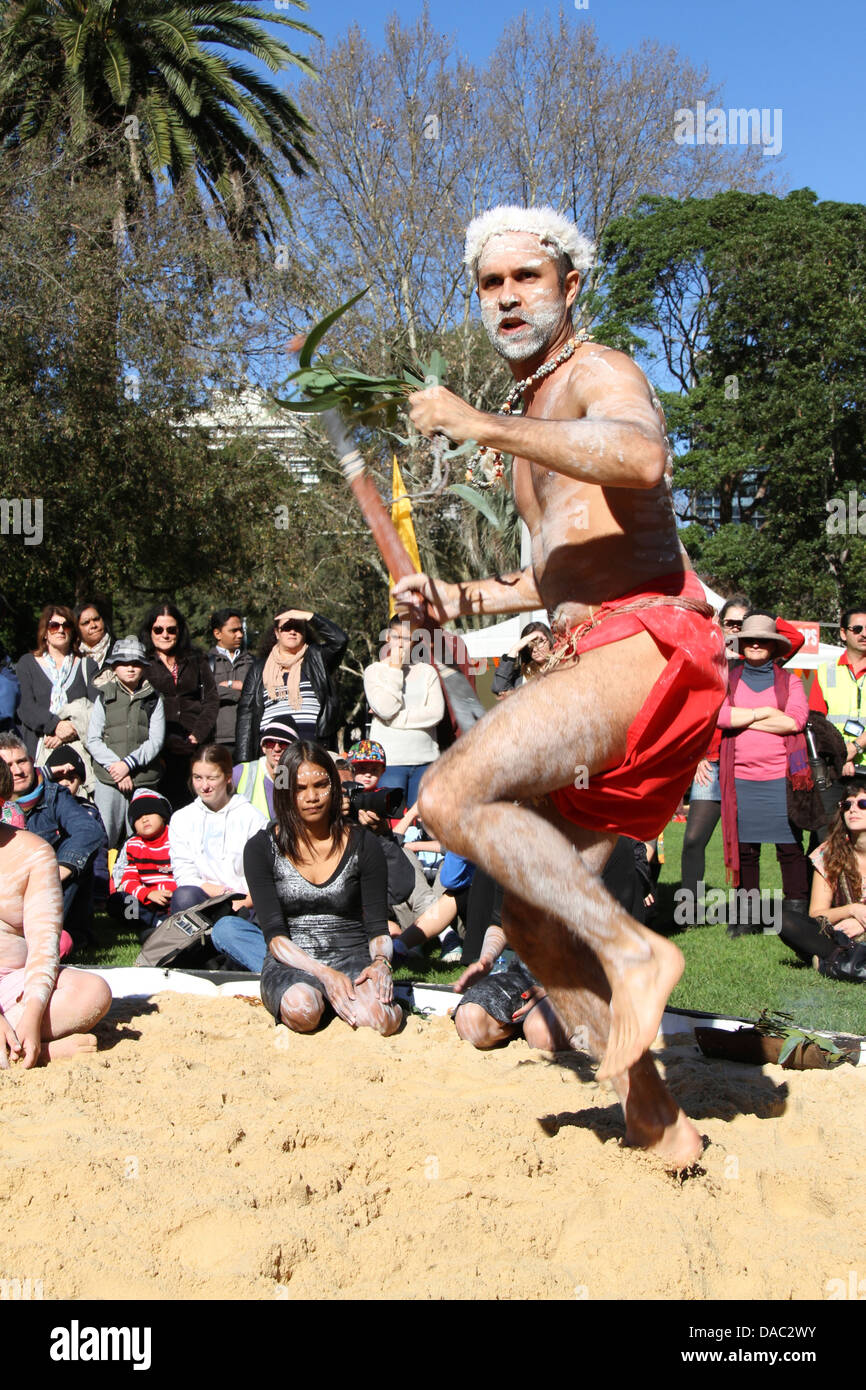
(242, 940)
(405, 776)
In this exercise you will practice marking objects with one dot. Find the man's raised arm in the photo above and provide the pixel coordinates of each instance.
(617, 442)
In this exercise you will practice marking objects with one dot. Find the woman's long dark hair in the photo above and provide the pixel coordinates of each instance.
(290, 832)
(183, 645)
(838, 850)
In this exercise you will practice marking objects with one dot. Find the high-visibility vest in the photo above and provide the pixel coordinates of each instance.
(251, 785)
(846, 698)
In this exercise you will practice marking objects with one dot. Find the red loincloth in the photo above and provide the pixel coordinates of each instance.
(673, 728)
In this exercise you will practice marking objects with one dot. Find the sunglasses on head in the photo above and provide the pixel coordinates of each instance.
(55, 626)
(856, 627)
(166, 631)
(858, 801)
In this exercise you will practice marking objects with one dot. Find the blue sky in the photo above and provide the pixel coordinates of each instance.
(798, 55)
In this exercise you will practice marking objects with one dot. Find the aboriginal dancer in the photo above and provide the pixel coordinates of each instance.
(607, 740)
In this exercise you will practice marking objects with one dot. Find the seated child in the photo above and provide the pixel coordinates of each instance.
(146, 879)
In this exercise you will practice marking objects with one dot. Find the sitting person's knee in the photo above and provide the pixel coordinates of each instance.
(301, 1009)
(476, 1026)
(542, 1029)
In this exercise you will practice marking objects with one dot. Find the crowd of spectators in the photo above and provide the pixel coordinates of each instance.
(206, 776)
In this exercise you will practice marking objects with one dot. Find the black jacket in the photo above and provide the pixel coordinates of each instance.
(34, 716)
(191, 703)
(322, 658)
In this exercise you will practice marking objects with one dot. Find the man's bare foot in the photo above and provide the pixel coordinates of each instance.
(637, 1002)
(75, 1045)
(677, 1145)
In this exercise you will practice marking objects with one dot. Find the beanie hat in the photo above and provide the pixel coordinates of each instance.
(366, 750)
(148, 802)
(65, 756)
(284, 729)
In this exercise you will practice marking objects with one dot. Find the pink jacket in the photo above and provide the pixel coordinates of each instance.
(758, 756)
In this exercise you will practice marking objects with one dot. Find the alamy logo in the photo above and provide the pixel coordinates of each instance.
(737, 907)
(22, 516)
(76, 1343)
(738, 126)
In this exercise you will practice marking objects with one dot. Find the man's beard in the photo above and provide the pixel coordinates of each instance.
(540, 329)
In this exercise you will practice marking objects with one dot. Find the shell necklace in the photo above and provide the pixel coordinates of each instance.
(475, 471)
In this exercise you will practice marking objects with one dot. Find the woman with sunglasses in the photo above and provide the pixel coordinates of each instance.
(183, 677)
(837, 906)
(292, 679)
(51, 677)
(764, 766)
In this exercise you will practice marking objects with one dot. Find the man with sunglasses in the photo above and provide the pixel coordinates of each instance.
(839, 690)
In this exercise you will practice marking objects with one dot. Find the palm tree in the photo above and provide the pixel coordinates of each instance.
(135, 97)
(89, 71)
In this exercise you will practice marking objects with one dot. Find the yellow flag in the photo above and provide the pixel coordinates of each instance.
(401, 515)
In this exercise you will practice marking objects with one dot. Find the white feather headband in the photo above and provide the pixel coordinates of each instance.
(551, 228)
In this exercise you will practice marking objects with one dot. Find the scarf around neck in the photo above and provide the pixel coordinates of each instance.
(282, 675)
(61, 677)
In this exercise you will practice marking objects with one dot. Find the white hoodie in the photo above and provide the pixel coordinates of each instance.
(208, 846)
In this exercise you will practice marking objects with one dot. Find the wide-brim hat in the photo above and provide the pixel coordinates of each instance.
(127, 650)
(758, 629)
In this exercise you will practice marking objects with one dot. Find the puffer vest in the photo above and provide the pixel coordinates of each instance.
(127, 720)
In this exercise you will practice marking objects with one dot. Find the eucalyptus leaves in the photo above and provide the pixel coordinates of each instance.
(362, 399)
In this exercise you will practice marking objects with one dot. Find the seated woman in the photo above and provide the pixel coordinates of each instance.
(499, 1005)
(837, 906)
(318, 886)
(46, 1011)
(206, 842)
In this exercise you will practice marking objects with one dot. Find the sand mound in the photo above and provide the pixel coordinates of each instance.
(203, 1153)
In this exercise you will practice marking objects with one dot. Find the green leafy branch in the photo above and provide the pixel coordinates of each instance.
(364, 399)
(775, 1024)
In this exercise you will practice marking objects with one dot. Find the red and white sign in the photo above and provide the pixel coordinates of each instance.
(811, 632)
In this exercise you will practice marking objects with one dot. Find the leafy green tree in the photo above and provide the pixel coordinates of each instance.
(756, 307)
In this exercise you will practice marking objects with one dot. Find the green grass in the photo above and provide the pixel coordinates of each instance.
(740, 976)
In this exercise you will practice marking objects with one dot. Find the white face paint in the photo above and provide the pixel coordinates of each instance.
(521, 314)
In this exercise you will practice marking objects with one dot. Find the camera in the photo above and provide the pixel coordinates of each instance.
(384, 801)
